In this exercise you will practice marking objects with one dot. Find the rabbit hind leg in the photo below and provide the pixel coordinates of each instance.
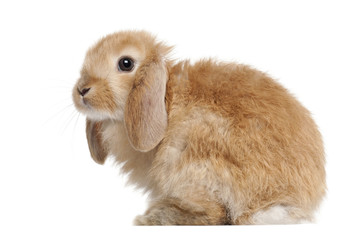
(173, 211)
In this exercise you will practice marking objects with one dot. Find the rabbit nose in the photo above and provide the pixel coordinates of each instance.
(84, 91)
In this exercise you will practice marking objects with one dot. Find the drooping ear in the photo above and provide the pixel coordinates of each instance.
(96, 146)
(145, 112)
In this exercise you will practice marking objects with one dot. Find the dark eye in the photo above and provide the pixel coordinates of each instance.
(125, 64)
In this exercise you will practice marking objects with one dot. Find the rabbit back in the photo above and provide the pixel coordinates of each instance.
(239, 138)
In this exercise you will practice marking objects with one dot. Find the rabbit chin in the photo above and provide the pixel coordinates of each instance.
(98, 115)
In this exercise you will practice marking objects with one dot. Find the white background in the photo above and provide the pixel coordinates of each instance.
(49, 186)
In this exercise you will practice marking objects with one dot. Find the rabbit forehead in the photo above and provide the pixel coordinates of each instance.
(103, 62)
(102, 58)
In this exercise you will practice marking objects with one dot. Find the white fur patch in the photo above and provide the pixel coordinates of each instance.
(274, 215)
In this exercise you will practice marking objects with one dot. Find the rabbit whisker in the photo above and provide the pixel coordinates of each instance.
(60, 112)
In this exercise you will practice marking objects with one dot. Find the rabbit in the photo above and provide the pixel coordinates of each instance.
(213, 143)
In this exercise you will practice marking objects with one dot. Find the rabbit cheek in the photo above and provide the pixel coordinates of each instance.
(102, 99)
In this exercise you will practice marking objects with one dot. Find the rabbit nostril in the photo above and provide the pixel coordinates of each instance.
(84, 91)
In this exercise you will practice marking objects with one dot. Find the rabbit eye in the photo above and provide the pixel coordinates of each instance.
(125, 64)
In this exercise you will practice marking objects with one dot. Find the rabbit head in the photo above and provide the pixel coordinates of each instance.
(124, 79)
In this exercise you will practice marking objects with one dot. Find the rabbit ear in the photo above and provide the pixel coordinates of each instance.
(95, 141)
(145, 112)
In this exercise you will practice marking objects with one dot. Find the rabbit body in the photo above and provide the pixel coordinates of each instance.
(229, 144)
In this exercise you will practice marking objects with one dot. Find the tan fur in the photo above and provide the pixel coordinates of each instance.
(214, 143)
(98, 149)
(145, 114)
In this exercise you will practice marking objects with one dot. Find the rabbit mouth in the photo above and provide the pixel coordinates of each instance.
(88, 107)
(86, 103)
(82, 103)
(83, 106)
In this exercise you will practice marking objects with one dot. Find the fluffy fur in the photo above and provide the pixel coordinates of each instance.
(214, 143)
